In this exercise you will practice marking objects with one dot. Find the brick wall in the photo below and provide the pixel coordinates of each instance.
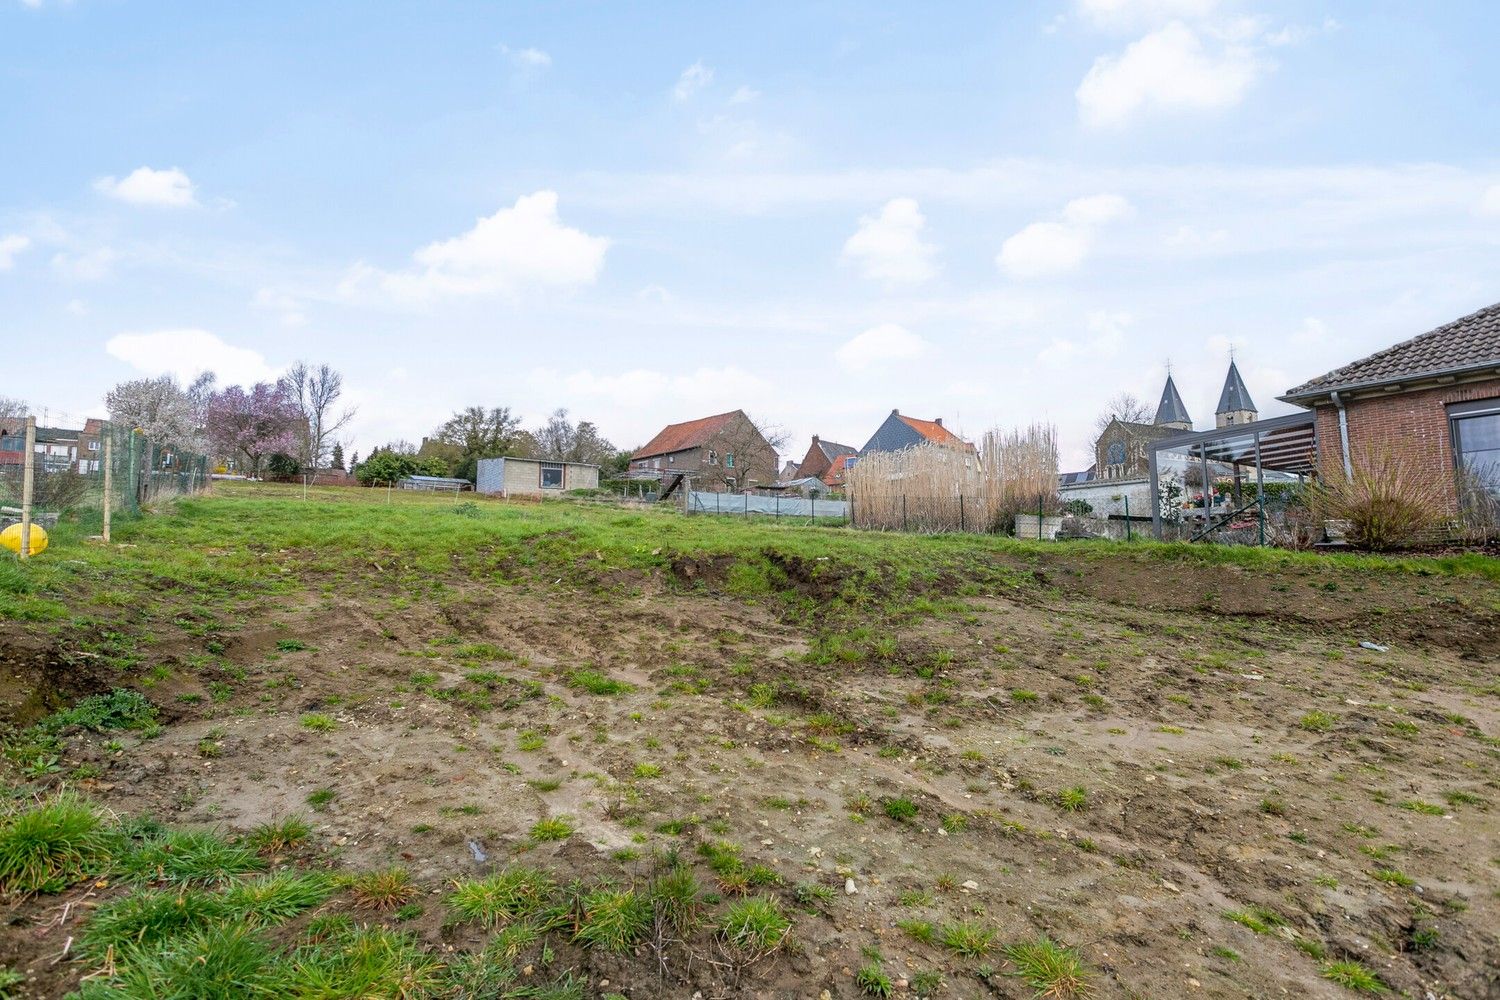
(1409, 423)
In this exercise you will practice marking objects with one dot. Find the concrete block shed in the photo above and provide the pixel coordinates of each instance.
(533, 477)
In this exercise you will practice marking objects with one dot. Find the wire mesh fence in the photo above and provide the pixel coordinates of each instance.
(983, 514)
(85, 469)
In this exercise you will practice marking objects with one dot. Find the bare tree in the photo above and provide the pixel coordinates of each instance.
(316, 389)
(561, 440)
(1125, 407)
(12, 408)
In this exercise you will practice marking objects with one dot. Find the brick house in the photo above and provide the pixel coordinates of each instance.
(900, 431)
(820, 458)
(1434, 398)
(725, 452)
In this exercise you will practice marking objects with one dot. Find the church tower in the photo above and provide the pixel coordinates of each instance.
(1170, 412)
(1235, 405)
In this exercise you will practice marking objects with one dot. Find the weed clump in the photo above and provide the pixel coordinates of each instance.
(1051, 969)
(47, 846)
(754, 927)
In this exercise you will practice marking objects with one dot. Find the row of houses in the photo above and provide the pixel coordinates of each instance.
(58, 449)
(1433, 400)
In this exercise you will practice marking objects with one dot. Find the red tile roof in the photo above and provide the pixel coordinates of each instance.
(680, 437)
(934, 432)
(835, 473)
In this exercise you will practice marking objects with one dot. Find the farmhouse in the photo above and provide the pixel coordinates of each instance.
(533, 477)
(820, 457)
(722, 452)
(1434, 399)
(899, 432)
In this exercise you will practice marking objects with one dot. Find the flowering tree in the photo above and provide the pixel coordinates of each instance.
(257, 423)
(159, 408)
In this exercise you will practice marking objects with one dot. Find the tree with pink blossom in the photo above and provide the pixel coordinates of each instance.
(254, 423)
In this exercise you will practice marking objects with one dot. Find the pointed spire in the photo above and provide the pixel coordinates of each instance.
(1235, 397)
(1170, 410)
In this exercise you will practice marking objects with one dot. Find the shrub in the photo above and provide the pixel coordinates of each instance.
(1389, 501)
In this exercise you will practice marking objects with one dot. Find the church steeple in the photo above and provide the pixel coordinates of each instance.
(1170, 412)
(1235, 405)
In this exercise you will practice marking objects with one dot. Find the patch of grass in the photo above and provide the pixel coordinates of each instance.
(613, 920)
(1023, 696)
(754, 927)
(596, 683)
(553, 828)
(270, 899)
(386, 889)
(47, 846)
(279, 836)
(648, 771)
(1051, 969)
(320, 798)
(215, 962)
(873, 981)
(509, 894)
(676, 896)
(528, 741)
(1353, 976)
(918, 930)
(291, 646)
(1317, 721)
(1259, 919)
(1392, 876)
(967, 938)
(899, 808)
(364, 962)
(1073, 799)
(188, 857)
(1425, 808)
(148, 916)
(318, 722)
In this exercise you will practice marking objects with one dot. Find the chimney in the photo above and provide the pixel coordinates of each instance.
(939, 421)
(895, 412)
(815, 439)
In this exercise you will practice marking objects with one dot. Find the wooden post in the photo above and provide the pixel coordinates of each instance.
(28, 486)
(109, 477)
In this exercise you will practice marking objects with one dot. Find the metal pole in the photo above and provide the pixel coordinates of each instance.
(903, 512)
(28, 485)
(1260, 490)
(814, 500)
(960, 512)
(1127, 517)
(1155, 498)
(132, 476)
(777, 515)
(109, 496)
(1207, 501)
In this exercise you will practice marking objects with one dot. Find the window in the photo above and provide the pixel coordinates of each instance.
(93, 446)
(671, 459)
(729, 460)
(552, 477)
(1476, 440)
(713, 457)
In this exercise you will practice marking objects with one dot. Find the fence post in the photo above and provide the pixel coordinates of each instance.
(777, 515)
(960, 513)
(109, 475)
(813, 499)
(28, 485)
(903, 512)
(1127, 517)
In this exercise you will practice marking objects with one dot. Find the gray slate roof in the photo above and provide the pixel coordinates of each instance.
(1170, 409)
(832, 451)
(1235, 396)
(1470, 342)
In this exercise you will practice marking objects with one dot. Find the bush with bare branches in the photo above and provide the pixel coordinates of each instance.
(1390, 501)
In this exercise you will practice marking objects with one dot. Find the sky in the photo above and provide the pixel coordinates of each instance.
(812, 211)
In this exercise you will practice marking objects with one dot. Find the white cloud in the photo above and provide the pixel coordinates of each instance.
(1096, 210)
(1169, 69)
(527, 62)
(1106, 339)
(1110, 14)
(889, 247)
(1489, 202)
(187, 353)
(744, 95)
(90, 265)
(145, 186)
(693, 79)
(287, 307)
(880, 345)
(10, 247)
(521, 247)
(1043, 249)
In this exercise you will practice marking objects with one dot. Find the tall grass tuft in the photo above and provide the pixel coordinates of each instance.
(1051, 969)
(189, 857)
(47, 846)
(1390, 500)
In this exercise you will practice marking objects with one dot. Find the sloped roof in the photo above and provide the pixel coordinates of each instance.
(839, 465)
(934, 431)
(1235, 396)
(832, 451)
(691, 434)
(1170, 410)
(1472, 341)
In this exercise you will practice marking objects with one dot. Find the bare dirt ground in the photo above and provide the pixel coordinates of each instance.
(1119, 754)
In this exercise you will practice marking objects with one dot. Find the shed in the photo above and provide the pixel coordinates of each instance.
(534, 477)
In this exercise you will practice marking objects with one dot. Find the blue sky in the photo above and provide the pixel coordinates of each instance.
(994, 213)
